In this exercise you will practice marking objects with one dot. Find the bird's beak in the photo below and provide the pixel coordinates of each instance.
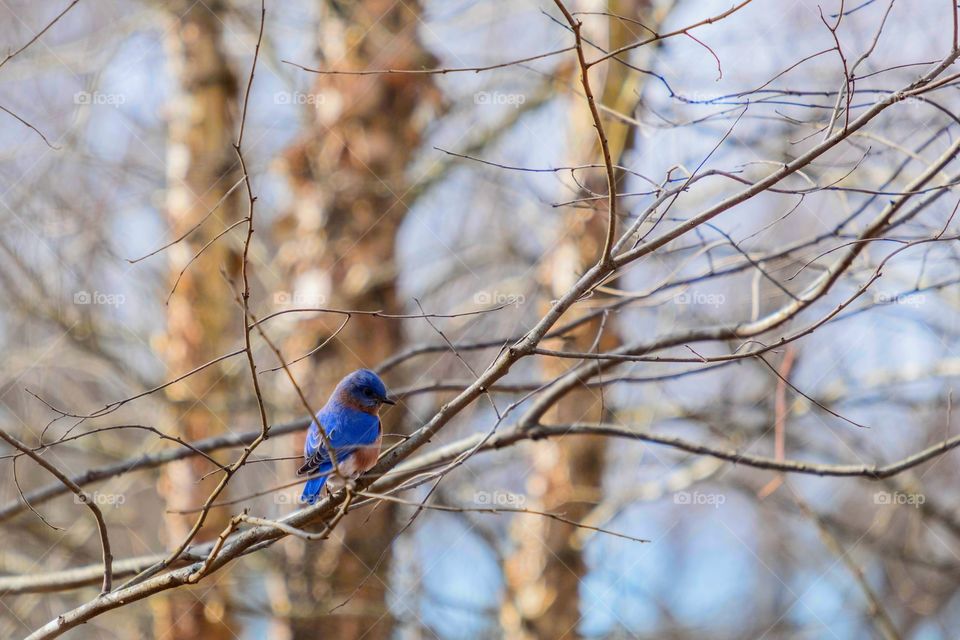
(388, 400)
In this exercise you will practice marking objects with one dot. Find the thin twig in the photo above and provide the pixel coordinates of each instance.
(82, 495)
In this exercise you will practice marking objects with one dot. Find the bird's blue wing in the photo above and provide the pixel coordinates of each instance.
(346, 430)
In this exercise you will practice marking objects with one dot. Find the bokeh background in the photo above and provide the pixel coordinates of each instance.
(453, 191)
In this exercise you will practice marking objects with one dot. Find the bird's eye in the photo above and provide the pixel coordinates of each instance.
(368, 392)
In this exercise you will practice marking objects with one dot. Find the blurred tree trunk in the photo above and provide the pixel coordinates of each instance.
(544, 573)
(351, 190)
(202, 317)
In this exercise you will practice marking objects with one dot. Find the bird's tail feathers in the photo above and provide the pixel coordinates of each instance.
(311, 491)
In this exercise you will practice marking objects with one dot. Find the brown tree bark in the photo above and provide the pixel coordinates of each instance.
(202, 317)
(337, 247)
(543, 574)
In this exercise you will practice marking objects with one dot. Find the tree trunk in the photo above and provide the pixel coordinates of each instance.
(202, 318)
(348, 175)
(544, 573)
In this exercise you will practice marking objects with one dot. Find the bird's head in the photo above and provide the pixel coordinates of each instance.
(364, 390)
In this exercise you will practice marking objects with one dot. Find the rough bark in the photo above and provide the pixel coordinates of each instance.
(349, 176)
(543, 574)
(201, 315)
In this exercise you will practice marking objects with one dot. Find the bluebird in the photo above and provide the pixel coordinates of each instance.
(351, 419)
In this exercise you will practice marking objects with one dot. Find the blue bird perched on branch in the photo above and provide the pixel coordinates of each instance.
(351, 420)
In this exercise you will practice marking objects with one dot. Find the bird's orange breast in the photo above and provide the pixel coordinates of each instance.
(366, 457)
